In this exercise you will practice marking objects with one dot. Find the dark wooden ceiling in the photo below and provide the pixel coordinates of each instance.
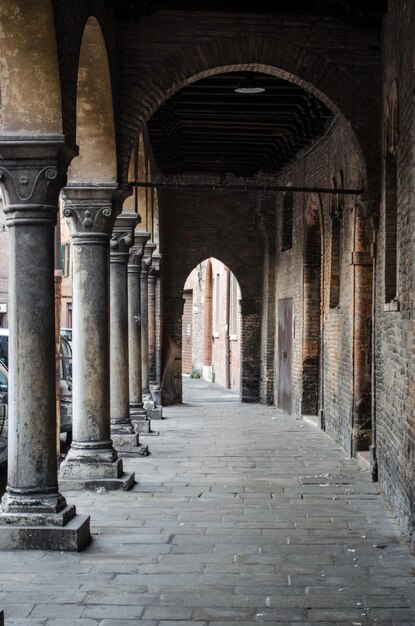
(208, 127)
(361, 12)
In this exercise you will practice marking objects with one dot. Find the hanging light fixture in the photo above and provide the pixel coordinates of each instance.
(247, 85)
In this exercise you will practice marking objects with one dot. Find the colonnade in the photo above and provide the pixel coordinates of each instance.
(111, 385)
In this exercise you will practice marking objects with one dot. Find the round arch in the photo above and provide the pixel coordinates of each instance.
(250, 53)
(212, 324)
(29, 70)
(95, 129)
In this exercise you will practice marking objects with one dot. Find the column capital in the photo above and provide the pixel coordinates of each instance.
(32, 173)
(90, 210)
(155, 265)
(136, 254)
(149, 249)
(122, 237)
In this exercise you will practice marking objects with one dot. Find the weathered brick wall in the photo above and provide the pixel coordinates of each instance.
(318, 168)
(394, 338)
(196, 286)
(194, 226)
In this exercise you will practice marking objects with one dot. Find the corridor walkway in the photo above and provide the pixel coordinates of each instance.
(241, 515)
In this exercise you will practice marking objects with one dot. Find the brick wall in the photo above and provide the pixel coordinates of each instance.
(194, 226)
(394, 336)
(335, 350)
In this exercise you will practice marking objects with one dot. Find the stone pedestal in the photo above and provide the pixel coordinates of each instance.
(138, 414)
(124, 437)
(33, 514)
(92, 461)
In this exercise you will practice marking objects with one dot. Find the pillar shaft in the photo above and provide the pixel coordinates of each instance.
(122, 432)
(145, 267)
(154, 344)
(152, 277)
(137, 411)
(92, 456)
(31, 178)
(121, 242)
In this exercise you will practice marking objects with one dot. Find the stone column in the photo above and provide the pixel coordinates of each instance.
(123, 435)
(153, 344)
(145, 266)
(92, 461)
(33, 514)
(138, 414)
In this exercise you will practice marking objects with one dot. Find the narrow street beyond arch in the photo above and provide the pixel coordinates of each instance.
(241, 514)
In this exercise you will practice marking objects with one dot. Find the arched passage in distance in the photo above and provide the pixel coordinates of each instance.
(211, 326)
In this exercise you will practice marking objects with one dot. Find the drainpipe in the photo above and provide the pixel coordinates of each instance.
(227, 337)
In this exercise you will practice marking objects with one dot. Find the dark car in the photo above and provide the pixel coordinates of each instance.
(65, 374)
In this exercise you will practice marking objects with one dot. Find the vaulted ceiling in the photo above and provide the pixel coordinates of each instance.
(209, 127)
(364, 13)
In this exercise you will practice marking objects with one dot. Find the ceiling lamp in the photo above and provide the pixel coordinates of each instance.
(247, 85)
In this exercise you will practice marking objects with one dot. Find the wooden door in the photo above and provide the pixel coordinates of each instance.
(285, 328)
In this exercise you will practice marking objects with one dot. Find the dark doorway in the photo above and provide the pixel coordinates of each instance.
(285, 324)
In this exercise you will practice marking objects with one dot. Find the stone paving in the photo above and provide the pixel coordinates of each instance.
(241, 515)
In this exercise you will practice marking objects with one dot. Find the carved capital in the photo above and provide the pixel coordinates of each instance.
(32, 173)
(136, 254)
(89, 210)
(123, 234)
(155, 265)
(147, 256)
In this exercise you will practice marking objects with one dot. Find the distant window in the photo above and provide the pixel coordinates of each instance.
(335, 262)
(217, 305)
(287, 221)
(234, 307)
(66, 258)
(335, 252)
(391, 199)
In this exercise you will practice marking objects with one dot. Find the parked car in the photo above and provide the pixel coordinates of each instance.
(65, 375)
(4, 345)
(66, 333)
(65, 371)
(4, 387)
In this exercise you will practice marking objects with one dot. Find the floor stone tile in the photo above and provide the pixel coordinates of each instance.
(265, 521)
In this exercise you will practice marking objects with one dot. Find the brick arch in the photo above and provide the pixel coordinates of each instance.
(70, 27)
(95, 131)
(269, 55)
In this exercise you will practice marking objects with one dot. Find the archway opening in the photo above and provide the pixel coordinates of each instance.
(212, 325)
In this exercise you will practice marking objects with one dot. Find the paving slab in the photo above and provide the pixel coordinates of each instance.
(240, 515)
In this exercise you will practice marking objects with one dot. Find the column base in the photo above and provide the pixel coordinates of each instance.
(140, 450)
(148, 403)
(73, 536)
(122, 440)
(156, 413)
(142, 426)
(95, 465)
(124, 483)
